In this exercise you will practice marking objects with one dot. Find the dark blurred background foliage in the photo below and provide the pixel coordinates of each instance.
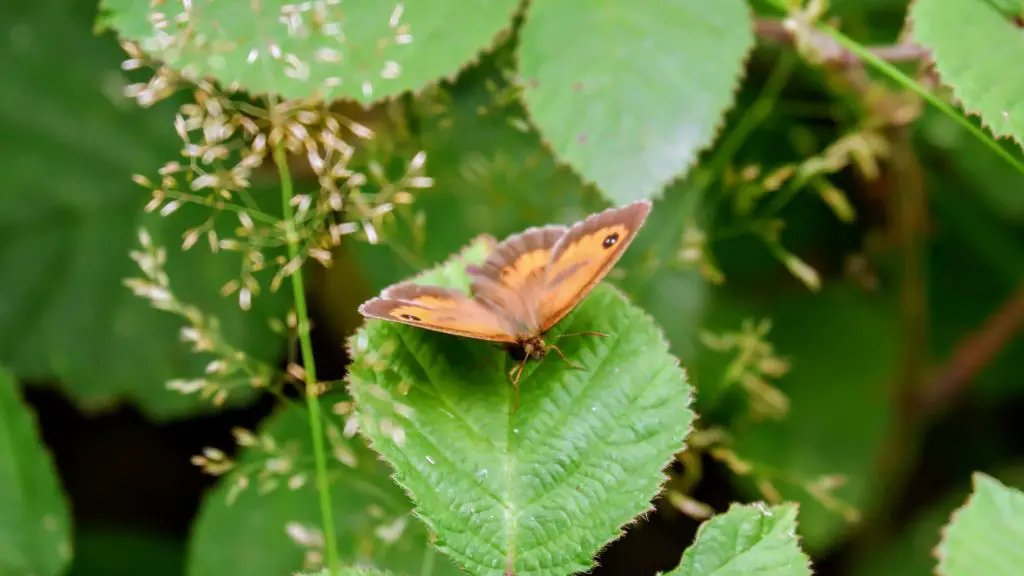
(901, 375)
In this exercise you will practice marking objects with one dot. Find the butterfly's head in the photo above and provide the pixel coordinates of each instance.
(534, 347)
(527, 348)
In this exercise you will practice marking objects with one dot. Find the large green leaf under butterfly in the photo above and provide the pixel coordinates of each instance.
(537, 489)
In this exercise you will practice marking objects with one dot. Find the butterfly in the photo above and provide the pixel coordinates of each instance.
(528, 283)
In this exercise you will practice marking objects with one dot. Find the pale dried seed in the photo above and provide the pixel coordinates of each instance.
(170, 207)
(321, 255)
(327, 55)
(420, 182)
(418, 161)
(307, 116)
(298, 130)
(191, 237)
(315, 161)
(245, 299)
(391, 70)
(351, 426)
(170, 168)
(334, 200)
(304, 536)
(360, 130)
(297, 481)
(204, 181)
(371, 233)
(396, 15)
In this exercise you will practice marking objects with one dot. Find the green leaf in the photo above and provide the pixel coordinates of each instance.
(69, 213)
(35, 531)
(752, 540)
(491, 175)
(540, 488)
(973, 45)
(251, 534)
(985, 535)
(910, 551)
(630, 93)
(360, 49)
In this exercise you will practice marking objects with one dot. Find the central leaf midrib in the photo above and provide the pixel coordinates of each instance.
(510, 505)
(510, 469)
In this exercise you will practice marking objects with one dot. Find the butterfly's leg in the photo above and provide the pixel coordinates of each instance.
(564, 357)
(514, 374)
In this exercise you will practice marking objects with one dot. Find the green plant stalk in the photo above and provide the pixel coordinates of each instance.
(308, 363)
(907, 82)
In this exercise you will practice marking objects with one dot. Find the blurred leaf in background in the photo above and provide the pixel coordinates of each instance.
(836, 262)
(70, 214)
(35, 527)
(264, 519)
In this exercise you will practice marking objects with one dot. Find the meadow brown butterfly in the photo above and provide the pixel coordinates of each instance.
(527, 285)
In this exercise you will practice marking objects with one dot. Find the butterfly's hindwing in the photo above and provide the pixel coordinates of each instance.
(439, 309)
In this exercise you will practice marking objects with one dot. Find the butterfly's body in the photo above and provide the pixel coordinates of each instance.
(527, 285)
(528, 347)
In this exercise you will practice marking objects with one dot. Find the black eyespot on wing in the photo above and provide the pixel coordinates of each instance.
(410, 317)
(610, 240)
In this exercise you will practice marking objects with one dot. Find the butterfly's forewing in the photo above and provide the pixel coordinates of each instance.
(584, 255)
(511, 280)
(439, 309)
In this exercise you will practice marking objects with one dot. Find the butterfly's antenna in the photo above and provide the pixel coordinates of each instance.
(581, 334)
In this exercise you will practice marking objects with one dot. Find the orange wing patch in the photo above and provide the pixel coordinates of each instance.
(527, 284)
(582, 258)
(577, 269)
(588, 251)
(438, 309)
(524, 268)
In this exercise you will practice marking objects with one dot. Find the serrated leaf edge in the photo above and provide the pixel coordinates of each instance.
(955, 90)
(785, 505)
(938, 551)
(683, 172)
(662, 476)
(365, 105)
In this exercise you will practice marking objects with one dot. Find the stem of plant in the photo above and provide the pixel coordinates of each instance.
(894, 73)
(308, 364)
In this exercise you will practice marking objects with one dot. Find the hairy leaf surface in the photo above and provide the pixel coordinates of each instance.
(539, 489)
